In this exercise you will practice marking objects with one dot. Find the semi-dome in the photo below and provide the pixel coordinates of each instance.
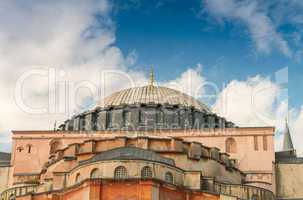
(151, 94)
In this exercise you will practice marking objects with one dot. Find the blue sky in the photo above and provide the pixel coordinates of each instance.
(173, 35)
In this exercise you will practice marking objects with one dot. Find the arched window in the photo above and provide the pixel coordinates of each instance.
(109, 119)
(82, 122)
(20, 149)
(169, 177)
(126, 117)
(120, 173)
(230, 145)
(78, 178)
(143, 115)
(146, 172)
(193, 118)
(54, 146)
(178, 118)
(29, 148)
(95, 173)
(160, 117)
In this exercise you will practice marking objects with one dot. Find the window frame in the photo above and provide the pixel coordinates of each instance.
(120, 172)
(95, 173)
(230, 145)
(169, 177)
(256, 143)
(78, 178)
(146, 170)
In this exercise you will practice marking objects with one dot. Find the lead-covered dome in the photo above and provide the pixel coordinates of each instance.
(146, 108)
(151, 94)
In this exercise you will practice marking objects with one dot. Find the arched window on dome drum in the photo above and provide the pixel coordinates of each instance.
(141, 117)
(169, 177)
(82, 122)
(109, 119)
(179, 118)
(120, 173)
(126, 118)
(231, 145)
(146, 172)
(192, 118)
(159, 117)
(78, 178)
(217, 123)
(206, 121)
(94, 121)
(95, 173)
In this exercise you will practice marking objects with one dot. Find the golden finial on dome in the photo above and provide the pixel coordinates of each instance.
(151, 76)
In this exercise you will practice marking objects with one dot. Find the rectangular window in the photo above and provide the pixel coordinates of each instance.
(256, 146)
(265, 143)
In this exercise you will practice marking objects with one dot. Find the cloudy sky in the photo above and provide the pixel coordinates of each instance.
(242, 58)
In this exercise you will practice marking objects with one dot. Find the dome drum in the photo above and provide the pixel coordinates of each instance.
(145, 117)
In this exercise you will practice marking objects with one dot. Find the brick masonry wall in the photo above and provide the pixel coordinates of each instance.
(136, 190)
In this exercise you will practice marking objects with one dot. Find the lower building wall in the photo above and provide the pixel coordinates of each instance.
(289, 180)
(142, 190)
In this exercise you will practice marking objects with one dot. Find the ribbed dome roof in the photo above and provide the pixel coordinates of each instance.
(152, 94)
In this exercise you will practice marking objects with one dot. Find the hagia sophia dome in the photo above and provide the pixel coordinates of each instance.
(147, 107)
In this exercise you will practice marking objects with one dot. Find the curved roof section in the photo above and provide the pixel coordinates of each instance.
(152, 94)
(129, 153)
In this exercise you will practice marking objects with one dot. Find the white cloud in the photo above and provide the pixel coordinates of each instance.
(258, 101)
(250, 102)
(65, 36)
(261, 28)
(190, 82)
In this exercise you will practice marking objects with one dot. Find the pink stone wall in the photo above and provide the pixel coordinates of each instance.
(249, 160)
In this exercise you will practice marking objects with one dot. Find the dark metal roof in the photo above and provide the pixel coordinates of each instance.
(130, 153)
(288, 157)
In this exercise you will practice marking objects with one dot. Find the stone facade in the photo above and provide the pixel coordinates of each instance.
(185, 165)
(289, 170)
(250, 149)
(290, 180)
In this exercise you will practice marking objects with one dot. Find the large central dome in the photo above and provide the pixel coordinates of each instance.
(146, 108)
(152, 94)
